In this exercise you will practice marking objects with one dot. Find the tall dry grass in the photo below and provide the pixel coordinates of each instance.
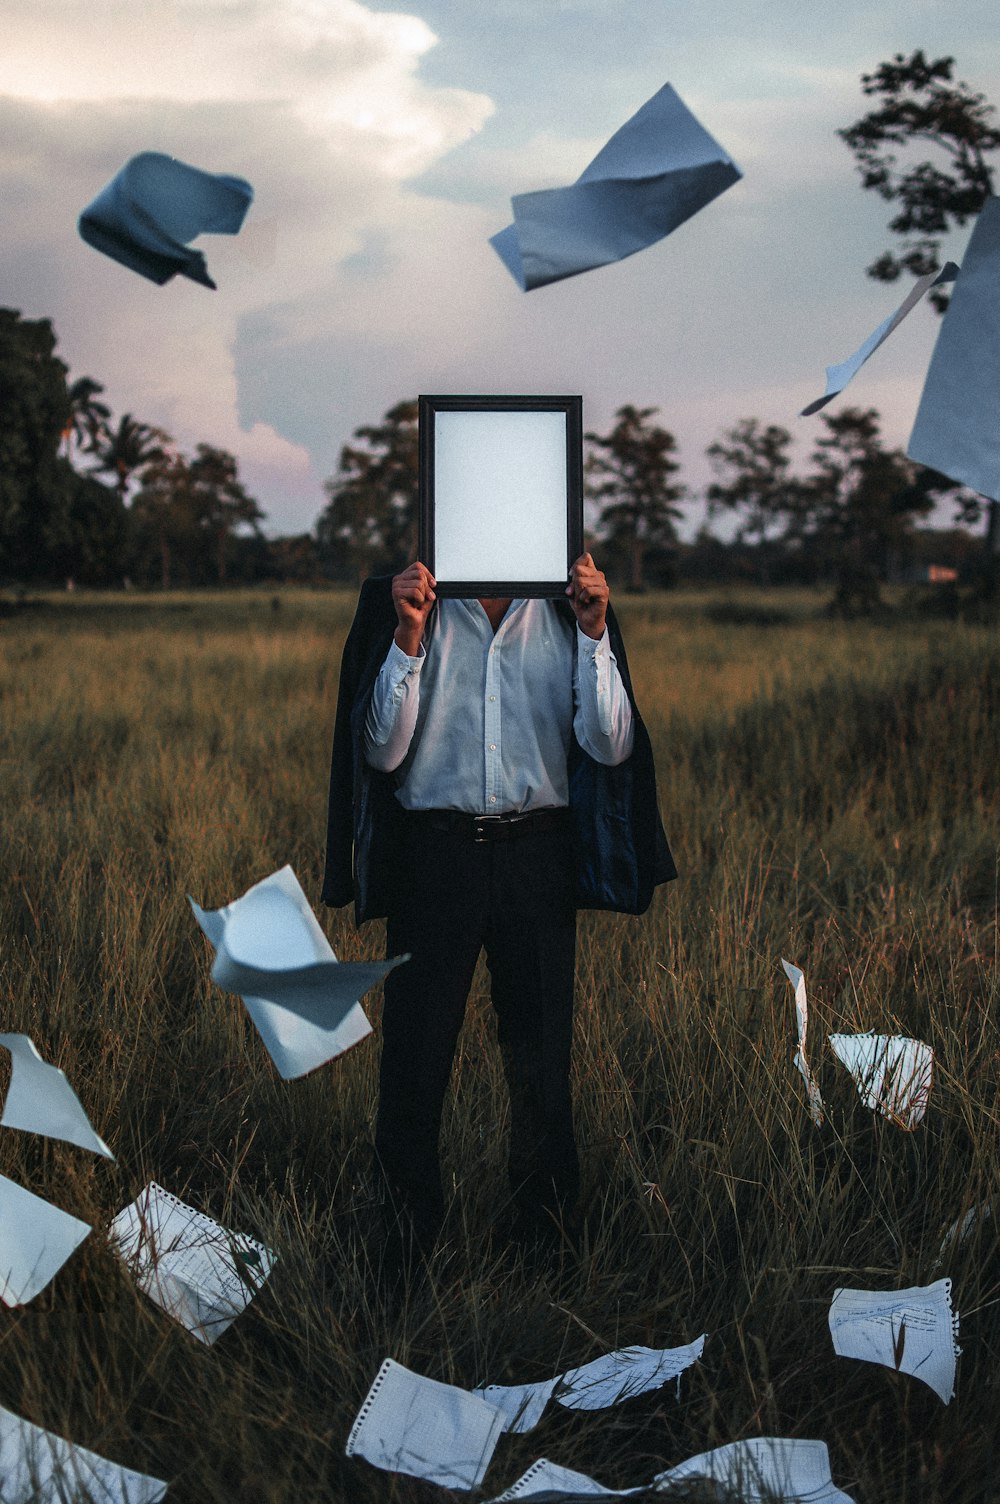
(830, 791)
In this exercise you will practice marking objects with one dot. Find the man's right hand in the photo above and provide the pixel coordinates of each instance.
(413, 596)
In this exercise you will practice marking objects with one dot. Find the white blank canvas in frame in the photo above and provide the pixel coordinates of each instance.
(500, 495)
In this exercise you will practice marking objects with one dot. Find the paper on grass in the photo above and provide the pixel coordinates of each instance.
(41, 1100)
(838, 376)
(813, 1097)
(271, 950)
(963, 1226)
(199, 1272)
(607, 1380)
(36, 1239)
(625, 1373)
(545, 1479)
(768, 1468)
(149, 211)
(658, 170)
(912, 1331)
(39, 1467)
(956, 429)
(894, 1074)
(521, 1404)
(409, 1424)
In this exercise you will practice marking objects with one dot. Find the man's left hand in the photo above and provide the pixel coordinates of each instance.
(588, 595)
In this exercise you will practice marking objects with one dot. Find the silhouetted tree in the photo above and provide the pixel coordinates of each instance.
(98, 552)
(160, 515)
(629, 472)
(86, 430)
(127, 451)
(863, 501)
(920, 103)
(755, 481)
(36, 483)
(370, 522)
(218, 503)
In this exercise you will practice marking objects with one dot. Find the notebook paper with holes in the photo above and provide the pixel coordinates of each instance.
(199, 1272)
(439, 1432)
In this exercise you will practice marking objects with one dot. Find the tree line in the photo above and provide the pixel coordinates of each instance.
(848, 519)
(96, 501)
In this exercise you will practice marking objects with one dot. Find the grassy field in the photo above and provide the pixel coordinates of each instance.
(830, 793)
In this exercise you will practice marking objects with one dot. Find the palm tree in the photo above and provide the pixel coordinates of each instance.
(87, 425)
(128, 449)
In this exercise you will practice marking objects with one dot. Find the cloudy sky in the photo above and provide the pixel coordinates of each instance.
(384, 144)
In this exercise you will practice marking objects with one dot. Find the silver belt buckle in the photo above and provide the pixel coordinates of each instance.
(480, 831)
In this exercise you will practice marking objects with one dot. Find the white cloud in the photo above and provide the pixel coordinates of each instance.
(348, 73)
(319, 105)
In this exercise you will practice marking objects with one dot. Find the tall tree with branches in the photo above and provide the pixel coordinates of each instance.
(629, 472)
(864, 500)
(370, 521)
(36, 482)
(753, 467)
(920, 104)
(219, 502)
(160, 514)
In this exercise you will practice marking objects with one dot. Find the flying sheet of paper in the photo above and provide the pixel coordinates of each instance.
(765, 1467)
(658, 170)
(837, 377)
(39, 1467)
(623, 1374)
(521, 1404)
(546, 1479)
(894, 1074)
(199, 1272)
(956, 428)
(149, 211)
(912, 1331)
(41, 1100)
(409, 1424)
(36, 1239)
(813, 1097)
(271, 950)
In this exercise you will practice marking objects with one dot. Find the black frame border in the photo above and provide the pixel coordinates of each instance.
(572, 407)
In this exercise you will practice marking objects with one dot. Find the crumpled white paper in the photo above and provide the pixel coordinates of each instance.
(271, 950)
(894, 1074)
(41, 1100)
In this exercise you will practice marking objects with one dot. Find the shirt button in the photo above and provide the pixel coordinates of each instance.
(493, 798)
(493, 746)
(492, 698)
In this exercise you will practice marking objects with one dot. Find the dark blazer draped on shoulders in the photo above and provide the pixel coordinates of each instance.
(621, 850)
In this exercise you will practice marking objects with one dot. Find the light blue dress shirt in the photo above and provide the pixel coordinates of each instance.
(482, 722)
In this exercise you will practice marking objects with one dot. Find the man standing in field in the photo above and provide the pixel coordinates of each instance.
(491, 774)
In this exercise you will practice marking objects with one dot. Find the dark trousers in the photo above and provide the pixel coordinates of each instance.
(515, 899)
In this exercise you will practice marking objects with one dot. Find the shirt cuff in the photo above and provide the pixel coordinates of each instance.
(400, 663)
(595, 648)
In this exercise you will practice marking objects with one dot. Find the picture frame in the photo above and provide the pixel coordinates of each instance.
(501, 493)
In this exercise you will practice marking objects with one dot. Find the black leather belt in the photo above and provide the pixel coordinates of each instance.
(480, 828)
